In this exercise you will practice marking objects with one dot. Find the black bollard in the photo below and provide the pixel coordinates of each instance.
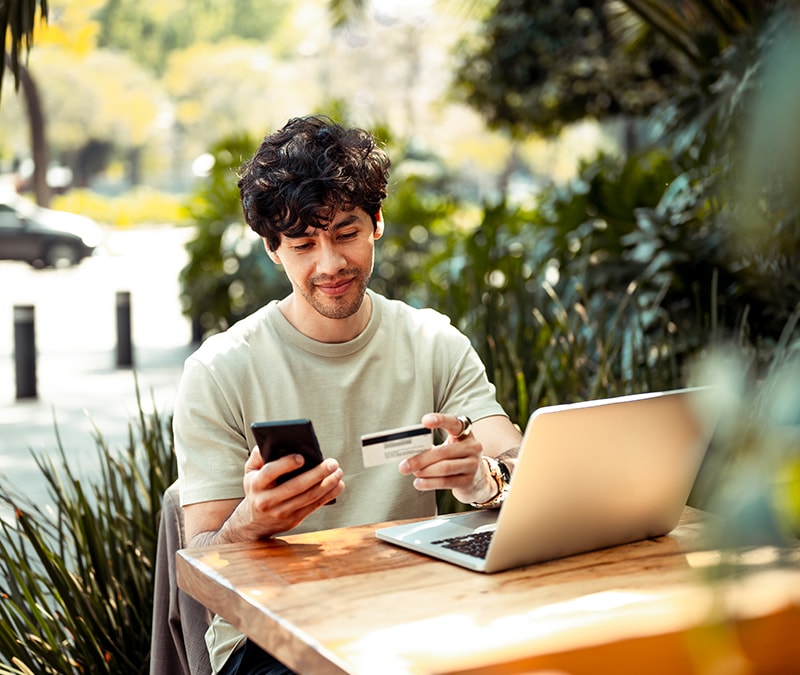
(124, 343)
(25, 351)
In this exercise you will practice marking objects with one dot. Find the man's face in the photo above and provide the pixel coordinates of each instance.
(329, 269)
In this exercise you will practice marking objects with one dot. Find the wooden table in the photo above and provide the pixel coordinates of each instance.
(341, 601)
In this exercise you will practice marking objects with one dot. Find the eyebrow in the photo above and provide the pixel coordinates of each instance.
(349, 220)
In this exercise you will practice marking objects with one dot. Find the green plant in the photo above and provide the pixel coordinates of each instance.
(76, 578)
(548, 320)
(714, 244)
(228, 274)
(554, 306)
(752, 472)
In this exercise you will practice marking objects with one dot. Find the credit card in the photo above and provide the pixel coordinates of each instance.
(395, 444)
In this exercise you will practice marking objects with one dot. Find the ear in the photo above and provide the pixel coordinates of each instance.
(273, 255)
(378, 233)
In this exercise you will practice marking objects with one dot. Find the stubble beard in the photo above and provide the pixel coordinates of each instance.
(337, 307)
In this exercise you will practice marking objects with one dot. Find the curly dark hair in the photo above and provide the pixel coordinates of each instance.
(305, 172)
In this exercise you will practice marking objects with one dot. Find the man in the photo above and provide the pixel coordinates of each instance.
(333, 351)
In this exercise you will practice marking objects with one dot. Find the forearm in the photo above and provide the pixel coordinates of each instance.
(225, 522)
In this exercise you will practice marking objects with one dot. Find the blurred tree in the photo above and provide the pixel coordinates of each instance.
(231, 87)
(38, 139)
(97, 103)
(688, 73)
(151, 30)
(100, 105)
(17, 21)
(538, 66)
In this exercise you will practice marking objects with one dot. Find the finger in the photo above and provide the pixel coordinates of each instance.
(294, 511)
(433, 455)
(459, 477)
(324, 492)
(272, 471)
(450, 423)
(303, 494)
(449, 464)
(313, 477)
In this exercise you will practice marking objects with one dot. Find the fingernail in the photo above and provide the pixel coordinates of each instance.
(404, 467)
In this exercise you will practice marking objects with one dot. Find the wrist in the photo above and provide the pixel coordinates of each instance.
(499, 477)
(241, 526)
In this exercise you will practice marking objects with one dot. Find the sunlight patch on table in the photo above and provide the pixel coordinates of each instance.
(455, 640)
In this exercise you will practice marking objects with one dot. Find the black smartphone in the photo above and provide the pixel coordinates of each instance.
(278, 439)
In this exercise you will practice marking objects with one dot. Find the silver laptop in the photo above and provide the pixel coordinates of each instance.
(589, 476)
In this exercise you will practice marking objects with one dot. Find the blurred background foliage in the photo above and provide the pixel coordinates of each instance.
(663, 214)
(649, 259)
(670, 257)
(228, 273)
(621, 278)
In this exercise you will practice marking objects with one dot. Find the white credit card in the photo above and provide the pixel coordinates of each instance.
(395, 444)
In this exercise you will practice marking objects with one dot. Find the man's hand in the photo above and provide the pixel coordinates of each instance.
(279, 508)
(267, 508)
(456, 464)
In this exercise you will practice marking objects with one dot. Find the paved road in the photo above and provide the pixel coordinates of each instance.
(79, 385)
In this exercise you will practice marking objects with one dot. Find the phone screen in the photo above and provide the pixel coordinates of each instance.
(278, 439)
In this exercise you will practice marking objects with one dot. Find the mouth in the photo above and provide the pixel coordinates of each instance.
(335, 287)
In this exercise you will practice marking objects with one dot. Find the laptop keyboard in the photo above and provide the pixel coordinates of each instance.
(475, 544)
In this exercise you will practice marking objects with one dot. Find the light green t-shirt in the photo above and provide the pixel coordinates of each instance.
(406, 362)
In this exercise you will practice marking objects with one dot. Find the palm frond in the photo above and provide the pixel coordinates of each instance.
(17, 21)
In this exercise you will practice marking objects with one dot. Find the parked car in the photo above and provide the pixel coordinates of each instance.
(45, 237)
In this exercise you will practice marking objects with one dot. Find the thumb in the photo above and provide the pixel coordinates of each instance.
(255, 461)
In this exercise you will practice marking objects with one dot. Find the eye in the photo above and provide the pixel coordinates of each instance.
(299, 248)
(348, 235)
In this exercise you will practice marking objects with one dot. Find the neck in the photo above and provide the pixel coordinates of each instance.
(321, 328)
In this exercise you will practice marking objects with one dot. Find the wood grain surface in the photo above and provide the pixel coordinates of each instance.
(341, 601)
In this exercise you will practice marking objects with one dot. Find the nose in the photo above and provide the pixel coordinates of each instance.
(330, 260)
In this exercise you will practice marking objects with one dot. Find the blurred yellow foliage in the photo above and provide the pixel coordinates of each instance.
(139, 206)
(70, 25)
